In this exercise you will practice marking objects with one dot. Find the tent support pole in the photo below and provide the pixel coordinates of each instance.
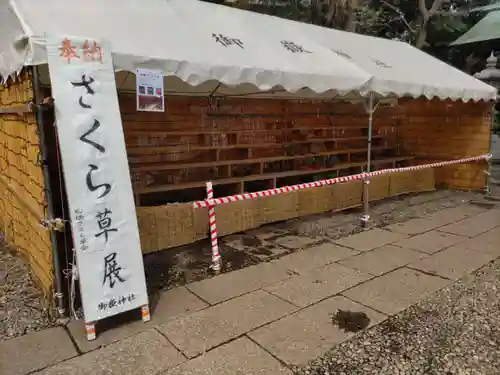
(370, 109)
(59, 295)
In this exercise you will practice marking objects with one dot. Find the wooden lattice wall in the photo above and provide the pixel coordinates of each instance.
(249, 144)
(255, 144)
(433, 131)
(22, 195)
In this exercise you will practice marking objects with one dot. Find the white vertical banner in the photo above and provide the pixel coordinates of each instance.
(96, 172)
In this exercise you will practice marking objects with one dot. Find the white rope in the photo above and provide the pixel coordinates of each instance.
(72, 274)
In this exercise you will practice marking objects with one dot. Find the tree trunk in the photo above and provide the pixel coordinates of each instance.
(425, 17)
(351, 21)
(421, 38)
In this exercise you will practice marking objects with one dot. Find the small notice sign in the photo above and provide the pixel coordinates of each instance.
(149, 88)
(96, 172)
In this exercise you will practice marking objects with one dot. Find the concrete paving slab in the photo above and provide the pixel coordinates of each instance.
(382, 260)
(475, 225)
(199, 332)
(35, 351)
(268, 251)
(454, 262)
(291, 341)
(317, 284)
(256, 246)
(232, 284)
(296, 242)
(395, 291)
(431, 242)
(487, 243)
(369, 240)
(334, 219)
(147, 353)
(239, 357)
(265, 233)
(453, 214)
(309, 333)
(414, 226)
(314, 257)
(426, 197)
(168, 305)
(491, 236)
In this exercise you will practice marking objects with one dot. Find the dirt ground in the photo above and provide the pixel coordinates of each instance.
(21, 302)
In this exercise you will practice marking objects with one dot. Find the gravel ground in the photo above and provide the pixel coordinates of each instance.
(21, 302)
(22, 307)
(455, 331)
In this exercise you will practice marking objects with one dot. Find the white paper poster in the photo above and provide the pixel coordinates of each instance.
(149, 86)
(96, 172)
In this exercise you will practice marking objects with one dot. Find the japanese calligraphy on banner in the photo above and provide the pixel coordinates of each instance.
(149, 88)
(96, 172)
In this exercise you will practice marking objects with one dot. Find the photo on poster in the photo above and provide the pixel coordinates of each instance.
(149, 85)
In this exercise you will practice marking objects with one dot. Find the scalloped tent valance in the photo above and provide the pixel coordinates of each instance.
(202, 43)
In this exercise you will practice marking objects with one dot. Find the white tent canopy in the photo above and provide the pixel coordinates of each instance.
(185, 39)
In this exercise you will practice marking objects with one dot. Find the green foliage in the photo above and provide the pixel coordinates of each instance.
(496, 121)
(392, 19)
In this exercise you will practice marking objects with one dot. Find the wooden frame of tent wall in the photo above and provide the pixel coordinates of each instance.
(414, 132)
(249, 144)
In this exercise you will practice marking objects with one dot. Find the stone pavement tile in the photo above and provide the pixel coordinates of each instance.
(309, 333)
(491, 236)
(147, 353)
(488, 243)
(483, 247)
(454, 262)
(395, 291)
(414, 226)
(317, 284)
(382, 260)
(434, 220)
(256, 246)
(239, 357)
(267, 251)
(474, 225)
(314, 257)
(295, 242)
(35, 351)
(232, 284)
(202, 330)
(371, 239)
(168, 305)
(453, 214)
(431, 242)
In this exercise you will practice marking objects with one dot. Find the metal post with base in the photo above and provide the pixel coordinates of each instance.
(365, 217)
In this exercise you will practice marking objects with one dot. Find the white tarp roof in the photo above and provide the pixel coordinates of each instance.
(177, 36)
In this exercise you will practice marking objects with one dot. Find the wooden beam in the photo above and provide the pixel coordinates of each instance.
(18, 110)
(37, 212)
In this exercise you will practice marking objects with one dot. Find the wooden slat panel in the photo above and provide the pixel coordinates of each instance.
(435, 131)
(21, 211)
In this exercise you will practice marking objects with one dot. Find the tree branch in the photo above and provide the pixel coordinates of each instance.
(422, 7)
(436, 6)
(401, 14)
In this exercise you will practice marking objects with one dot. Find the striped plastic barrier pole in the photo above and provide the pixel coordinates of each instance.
(216, 260)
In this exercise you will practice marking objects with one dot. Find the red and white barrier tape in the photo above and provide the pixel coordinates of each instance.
(210, 202)
(216, 264)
